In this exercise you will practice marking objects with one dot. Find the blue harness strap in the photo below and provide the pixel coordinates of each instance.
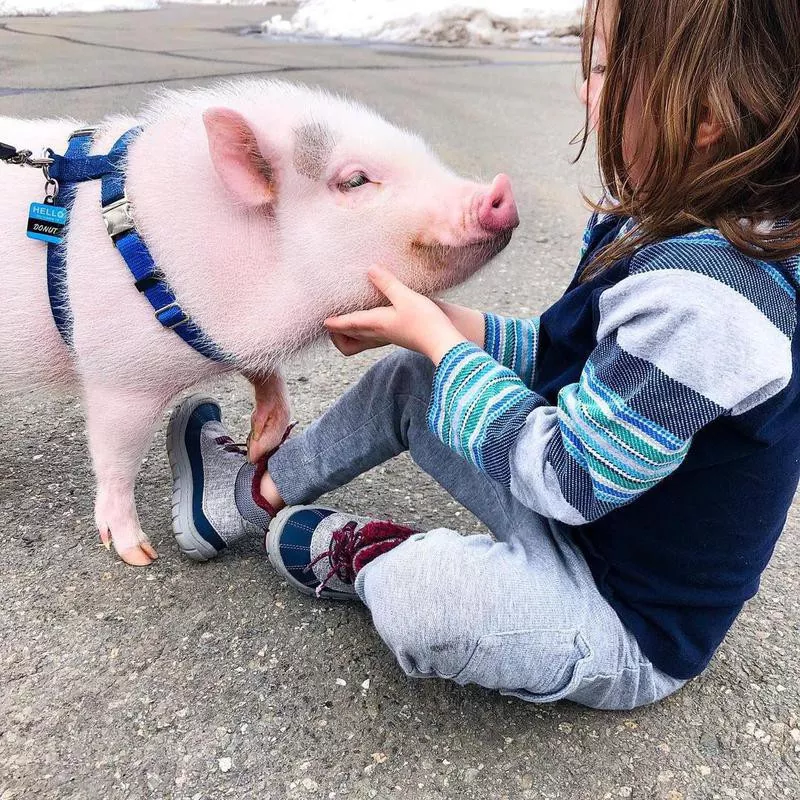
(149, 280)
(77, 149)
(77, 166)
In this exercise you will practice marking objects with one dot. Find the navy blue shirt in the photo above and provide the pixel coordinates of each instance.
(679, 562)
(653, 411)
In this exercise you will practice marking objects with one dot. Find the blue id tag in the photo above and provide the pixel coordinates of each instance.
(46, 222)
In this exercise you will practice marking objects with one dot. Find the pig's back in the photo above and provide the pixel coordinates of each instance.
(32, 354)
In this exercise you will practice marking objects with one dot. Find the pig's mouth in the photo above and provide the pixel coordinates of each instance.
(453, 264)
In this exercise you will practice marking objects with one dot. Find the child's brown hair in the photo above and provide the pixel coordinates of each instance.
(736, 62)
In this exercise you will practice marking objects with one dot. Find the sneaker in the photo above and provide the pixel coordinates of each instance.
(213, 499)
(319, 551)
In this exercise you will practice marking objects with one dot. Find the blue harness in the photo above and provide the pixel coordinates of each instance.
(77, 166)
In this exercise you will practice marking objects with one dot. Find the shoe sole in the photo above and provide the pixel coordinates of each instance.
(273, 553)
(191, 543)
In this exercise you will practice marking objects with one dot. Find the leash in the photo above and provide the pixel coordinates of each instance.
(48, 222)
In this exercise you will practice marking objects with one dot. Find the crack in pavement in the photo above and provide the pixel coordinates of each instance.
(170, 53)
(125, 48)
(7, 91)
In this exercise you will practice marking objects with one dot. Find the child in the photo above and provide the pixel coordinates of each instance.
(634, 450)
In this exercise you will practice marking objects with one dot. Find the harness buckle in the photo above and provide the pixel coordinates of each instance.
(82, 132)
(118, 218)
(169, 307)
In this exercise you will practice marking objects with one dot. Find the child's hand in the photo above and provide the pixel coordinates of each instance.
(411, 321)
(467, 321)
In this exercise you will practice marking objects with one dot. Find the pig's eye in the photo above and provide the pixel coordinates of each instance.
(359, 179)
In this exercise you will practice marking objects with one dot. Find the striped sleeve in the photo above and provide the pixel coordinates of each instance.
(685, 339)
(513, 343)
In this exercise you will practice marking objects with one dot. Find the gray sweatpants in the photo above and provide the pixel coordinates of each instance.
(518, 612)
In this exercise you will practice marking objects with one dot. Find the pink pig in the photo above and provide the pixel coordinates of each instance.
(264, 204)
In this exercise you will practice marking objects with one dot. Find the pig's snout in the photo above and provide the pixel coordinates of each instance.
(497, 210)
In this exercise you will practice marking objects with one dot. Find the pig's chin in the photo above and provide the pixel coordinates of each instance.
(449, 265)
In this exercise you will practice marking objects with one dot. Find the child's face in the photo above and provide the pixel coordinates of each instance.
(635, 143)
(593, 85)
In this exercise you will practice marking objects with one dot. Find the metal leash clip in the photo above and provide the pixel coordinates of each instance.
(11, 155)
(24, 158)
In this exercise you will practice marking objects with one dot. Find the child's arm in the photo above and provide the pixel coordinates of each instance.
(676, 350)
(510, 342)
(513, 343)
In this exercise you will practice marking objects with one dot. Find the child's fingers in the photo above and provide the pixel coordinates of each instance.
(359, 323)
(348, 346)
(387, 284)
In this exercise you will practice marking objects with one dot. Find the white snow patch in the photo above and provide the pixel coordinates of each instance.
(454, 22)
(226, 2)
(464, 22)
(15, 8)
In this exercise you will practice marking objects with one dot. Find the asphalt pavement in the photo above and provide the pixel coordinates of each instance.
(217, 680)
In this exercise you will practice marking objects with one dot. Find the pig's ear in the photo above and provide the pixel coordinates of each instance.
(237, 158)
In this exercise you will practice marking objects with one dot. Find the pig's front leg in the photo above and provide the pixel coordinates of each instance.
(271, 415)
(120, 427)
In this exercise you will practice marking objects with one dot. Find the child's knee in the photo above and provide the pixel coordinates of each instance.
(415, 608)
(425, 641)
(460, 608)
(439, 601)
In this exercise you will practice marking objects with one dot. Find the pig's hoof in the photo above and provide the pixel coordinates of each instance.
(137, 556)
(137, 553)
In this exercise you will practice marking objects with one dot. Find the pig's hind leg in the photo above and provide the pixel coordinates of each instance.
(120, 427)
